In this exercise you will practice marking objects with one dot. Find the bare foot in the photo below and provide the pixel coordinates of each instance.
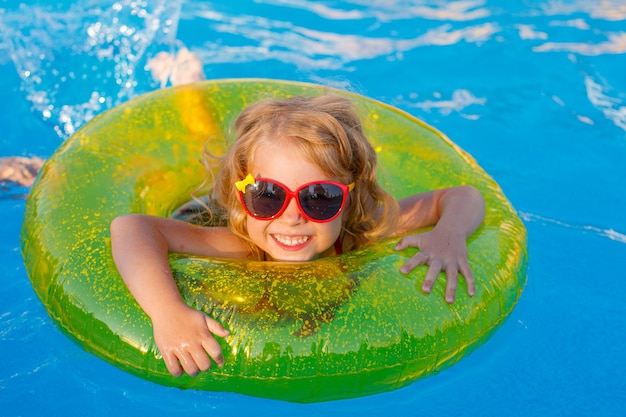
(184, 68)
(19, 170)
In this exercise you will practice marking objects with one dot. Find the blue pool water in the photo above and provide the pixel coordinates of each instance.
(535, 91)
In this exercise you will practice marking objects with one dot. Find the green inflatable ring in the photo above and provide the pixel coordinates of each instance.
(334, 328)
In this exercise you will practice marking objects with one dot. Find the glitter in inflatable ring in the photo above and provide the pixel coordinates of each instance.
(334, 328)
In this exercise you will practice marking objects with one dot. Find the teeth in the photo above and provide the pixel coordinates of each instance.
(291, 241)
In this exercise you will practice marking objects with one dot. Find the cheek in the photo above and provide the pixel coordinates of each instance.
(252, 225)
(256, 230)
(333, 229)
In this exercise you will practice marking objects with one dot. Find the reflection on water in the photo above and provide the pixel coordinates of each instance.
(613, 10)
(615, 44)
(389, 10)
(461, 102)
(314, 49)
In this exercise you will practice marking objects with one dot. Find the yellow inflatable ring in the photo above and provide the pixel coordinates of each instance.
(335, 328)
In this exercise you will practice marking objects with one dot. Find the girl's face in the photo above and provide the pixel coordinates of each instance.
(291, 237)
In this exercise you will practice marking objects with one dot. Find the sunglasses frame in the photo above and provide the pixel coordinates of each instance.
(289, 195)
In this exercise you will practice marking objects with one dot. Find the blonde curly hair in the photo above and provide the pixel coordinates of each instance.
(328, 132)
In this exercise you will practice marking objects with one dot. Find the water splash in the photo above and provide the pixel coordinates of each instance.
(78, 60)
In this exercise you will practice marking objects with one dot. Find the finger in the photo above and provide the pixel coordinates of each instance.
(216, 328)
(466, 271)
(172, 364)
(201, 359)
(416, 260)
(431, 276)
(188, 363)
(211, 346)
(407, 241)
(452, 280)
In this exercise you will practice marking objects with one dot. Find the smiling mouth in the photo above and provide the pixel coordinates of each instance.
(291, 241)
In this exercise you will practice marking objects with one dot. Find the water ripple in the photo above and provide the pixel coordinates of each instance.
(308, 48)
(612, 10)
(607, 233)
(393, 9)
(615, 44)
(611, 107)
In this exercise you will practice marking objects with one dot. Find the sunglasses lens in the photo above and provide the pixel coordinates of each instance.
(264, 199)
(318, 201)
(321, 201)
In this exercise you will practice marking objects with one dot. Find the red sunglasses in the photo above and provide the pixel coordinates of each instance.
(318, 201)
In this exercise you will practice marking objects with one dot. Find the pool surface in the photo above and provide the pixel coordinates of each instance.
(534, 91)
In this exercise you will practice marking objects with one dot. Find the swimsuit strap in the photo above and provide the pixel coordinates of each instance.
(338, 249)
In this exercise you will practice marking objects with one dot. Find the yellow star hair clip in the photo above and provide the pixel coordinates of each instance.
(241, 185)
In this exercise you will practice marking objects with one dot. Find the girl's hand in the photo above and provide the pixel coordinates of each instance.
(185, 339)
(442, 251)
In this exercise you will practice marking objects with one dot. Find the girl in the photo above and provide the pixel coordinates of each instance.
(297, 184)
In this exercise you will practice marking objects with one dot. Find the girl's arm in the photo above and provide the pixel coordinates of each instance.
(456, 213)
(140, 246)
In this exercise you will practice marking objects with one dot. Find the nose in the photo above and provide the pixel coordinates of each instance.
(292, 215)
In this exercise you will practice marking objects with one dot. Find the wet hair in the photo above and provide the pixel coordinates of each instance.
(328, 133)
